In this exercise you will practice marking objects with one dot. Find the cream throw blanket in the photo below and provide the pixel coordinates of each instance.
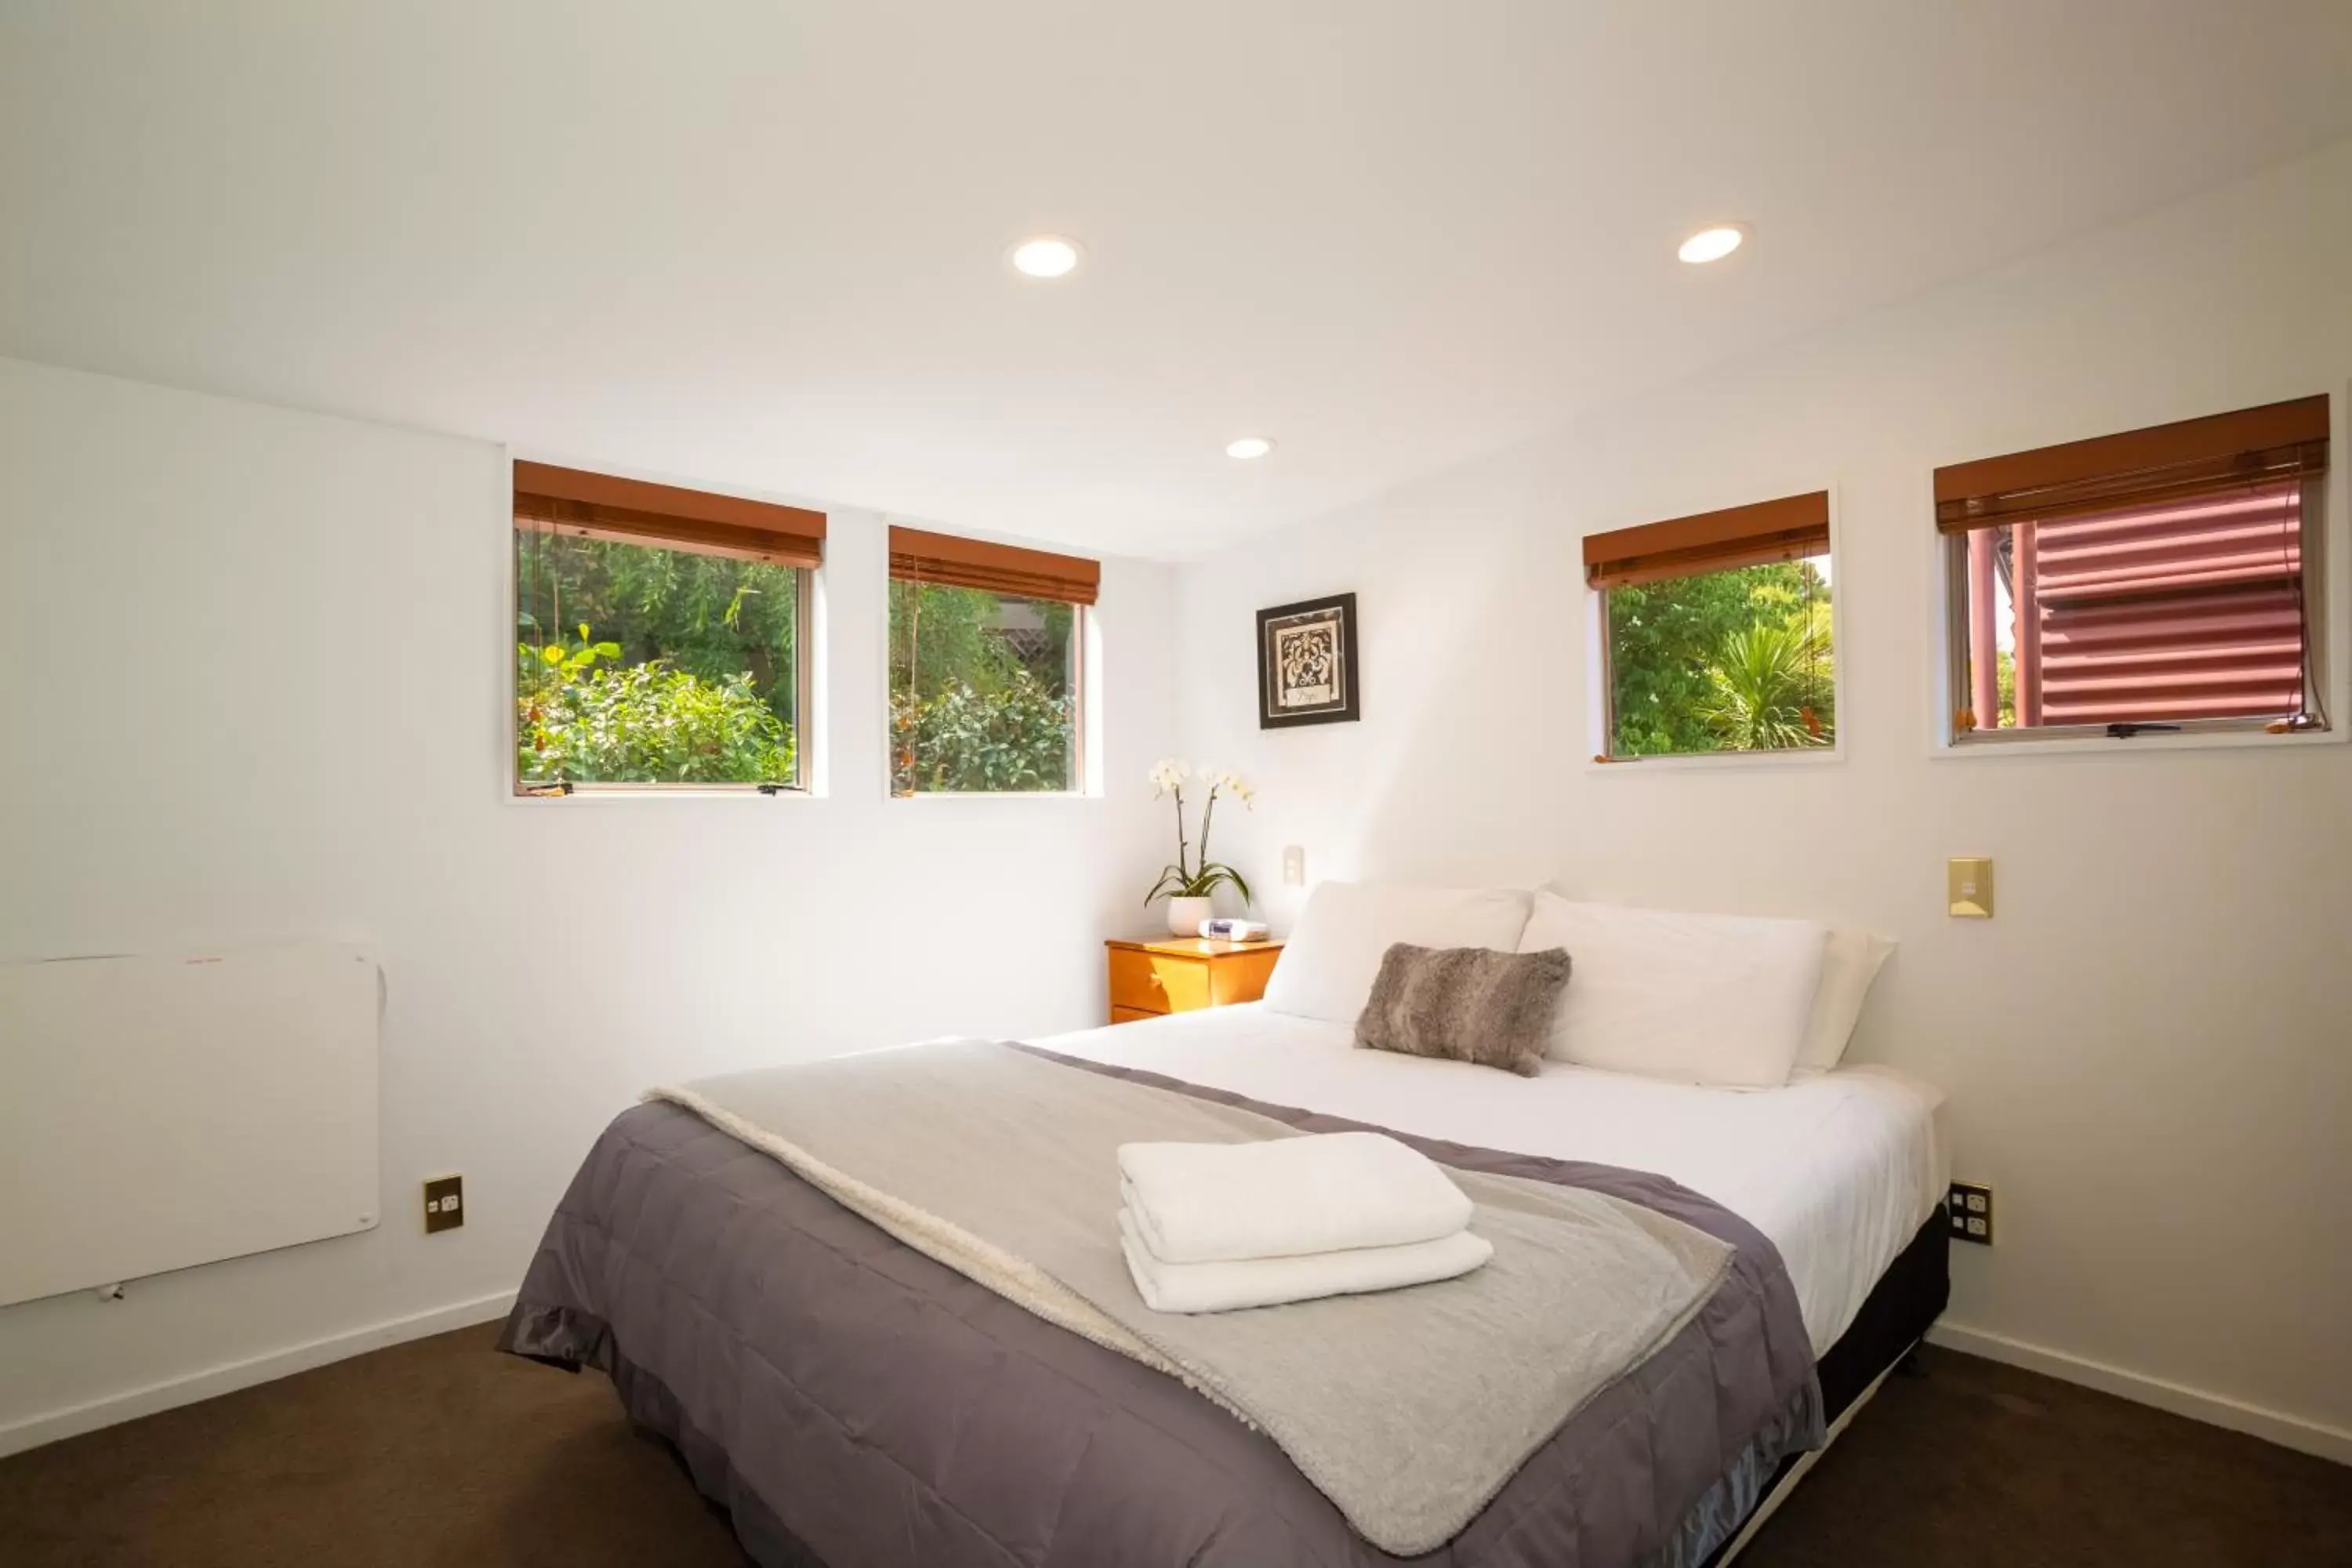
(1409, 1409)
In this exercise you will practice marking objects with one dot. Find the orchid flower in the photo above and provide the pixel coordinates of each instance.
(1186, 877)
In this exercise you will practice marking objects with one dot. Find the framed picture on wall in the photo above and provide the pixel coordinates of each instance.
(1307, 663)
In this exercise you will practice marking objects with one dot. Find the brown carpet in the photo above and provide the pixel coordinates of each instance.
(441, 1454)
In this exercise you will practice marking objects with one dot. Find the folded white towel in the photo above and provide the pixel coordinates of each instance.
(1286, 1197)
(1272, 1281)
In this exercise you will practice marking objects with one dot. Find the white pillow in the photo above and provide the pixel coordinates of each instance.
(1328, 966)
(1694, 998)
(1848, 963)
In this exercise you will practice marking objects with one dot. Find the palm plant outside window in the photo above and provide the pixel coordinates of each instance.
(1742, 660)
(1717, 633)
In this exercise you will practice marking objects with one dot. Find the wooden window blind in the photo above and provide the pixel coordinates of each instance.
(1789, 528)
(958, 562)
(2252, 447)
(601, 506)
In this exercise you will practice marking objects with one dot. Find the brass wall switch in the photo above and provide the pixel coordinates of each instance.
(1969, 885)
(445, 1204)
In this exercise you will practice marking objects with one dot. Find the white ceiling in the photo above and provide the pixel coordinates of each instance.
(761, 244)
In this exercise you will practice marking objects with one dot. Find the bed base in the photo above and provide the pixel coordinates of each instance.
(1909, 1297)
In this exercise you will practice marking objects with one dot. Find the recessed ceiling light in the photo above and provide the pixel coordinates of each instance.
(1713, 244)
(1249, 447)
(1046, 256)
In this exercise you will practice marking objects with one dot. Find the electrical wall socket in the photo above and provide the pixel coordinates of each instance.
(1971, 1212)
(445, 1204)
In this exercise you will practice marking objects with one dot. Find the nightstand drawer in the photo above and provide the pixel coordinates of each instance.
(1149, 979)
(1156, 983)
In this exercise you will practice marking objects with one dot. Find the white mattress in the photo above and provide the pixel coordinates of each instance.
(1839, 1170)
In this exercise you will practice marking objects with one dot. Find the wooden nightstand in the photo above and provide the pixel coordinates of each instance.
(1183, 974)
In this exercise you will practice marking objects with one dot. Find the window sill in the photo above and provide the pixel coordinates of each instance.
(2105, 746)
(1000, 795)
(1729, 762)
(662, 792)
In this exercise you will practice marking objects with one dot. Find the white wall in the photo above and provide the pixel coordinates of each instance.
(2149, 1051)
(252, 685)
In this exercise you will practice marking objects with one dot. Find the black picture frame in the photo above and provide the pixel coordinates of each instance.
(1331, 700)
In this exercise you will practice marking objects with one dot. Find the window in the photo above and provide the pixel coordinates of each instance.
(987, 663)
(2157, 580)
(1716, 632)
(658, 635)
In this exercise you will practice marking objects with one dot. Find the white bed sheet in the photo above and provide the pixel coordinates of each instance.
(1840, 1169)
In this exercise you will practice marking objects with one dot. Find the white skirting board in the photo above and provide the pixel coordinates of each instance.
(2215, 1410)
(2287, 1431)
(129, 1405)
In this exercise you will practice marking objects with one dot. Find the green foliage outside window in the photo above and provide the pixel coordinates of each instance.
(582, 721)
(983, 692)
(1737, 660)
(683, 670)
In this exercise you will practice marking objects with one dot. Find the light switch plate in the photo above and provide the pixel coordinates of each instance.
(1293, 865)
(1969, 888)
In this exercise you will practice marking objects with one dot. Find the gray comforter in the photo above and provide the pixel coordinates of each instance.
(1408, 1408)
(849, 1397)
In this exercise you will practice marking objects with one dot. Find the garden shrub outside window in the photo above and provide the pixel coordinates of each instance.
(658, 637)
(987, 666)
(1716, 632)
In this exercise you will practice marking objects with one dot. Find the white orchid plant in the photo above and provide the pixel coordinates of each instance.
(1186, 877)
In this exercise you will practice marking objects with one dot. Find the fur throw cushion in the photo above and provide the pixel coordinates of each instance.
(1466, 1003)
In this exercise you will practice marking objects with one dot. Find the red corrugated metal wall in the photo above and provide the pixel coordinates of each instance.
(2185, 610)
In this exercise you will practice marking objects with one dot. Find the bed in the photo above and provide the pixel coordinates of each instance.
(1840, 1169)
(899, 1406)
(1845, 1171)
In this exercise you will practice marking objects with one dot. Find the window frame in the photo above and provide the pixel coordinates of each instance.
(989, 556)
(1600, 696)
(1953, 556)
(806, 655)
(2324, 591)
(1084, 716)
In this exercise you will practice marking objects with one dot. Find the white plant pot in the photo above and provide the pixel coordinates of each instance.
(1185, 915)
